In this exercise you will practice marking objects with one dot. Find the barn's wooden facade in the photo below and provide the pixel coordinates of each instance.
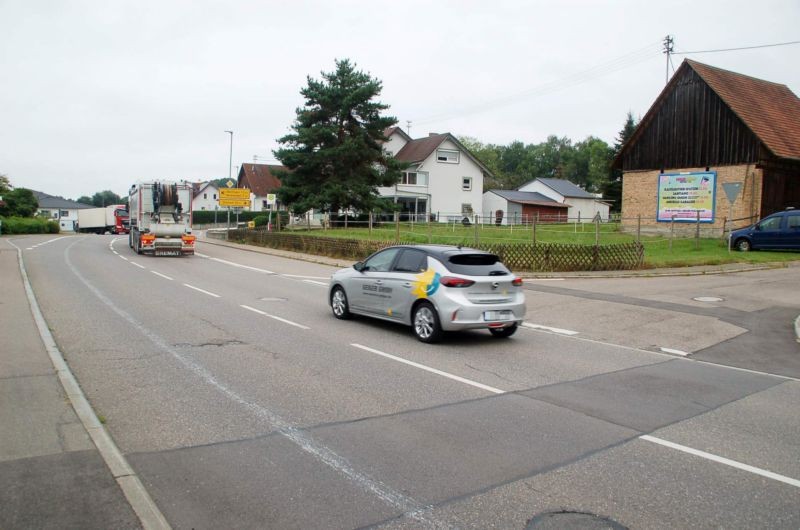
(746, 129)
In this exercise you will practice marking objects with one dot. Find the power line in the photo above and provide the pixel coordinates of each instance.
(743, 48)
(614, 65)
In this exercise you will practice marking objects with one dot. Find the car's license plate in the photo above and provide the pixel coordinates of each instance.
(498, 315)
(168, 253)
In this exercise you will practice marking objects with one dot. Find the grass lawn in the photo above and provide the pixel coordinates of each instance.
(711, 251)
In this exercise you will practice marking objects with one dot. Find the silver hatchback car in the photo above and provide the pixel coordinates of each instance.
(433, 288)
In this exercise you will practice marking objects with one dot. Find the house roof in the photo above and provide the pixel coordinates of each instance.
(391, 130)
(565, 188)
(770, 110)
(200, 187)
(528, 197)
(418, 150)
(50, 201)
(259, 178)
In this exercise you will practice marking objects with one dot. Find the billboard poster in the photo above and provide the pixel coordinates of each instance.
(682, 195)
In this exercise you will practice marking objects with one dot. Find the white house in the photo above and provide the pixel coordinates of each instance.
(583, 206)
(444, 179)
(206, 197)
(59, 209)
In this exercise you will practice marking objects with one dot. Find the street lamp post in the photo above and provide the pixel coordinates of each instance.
(230, 166)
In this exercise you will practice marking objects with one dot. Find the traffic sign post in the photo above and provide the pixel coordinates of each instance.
(236, 197)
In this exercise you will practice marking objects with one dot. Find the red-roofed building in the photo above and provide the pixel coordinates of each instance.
(711, 134)
(443, 179)
(262, 181)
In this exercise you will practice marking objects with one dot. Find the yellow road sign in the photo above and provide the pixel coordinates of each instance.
(237, 203)
(234, 193)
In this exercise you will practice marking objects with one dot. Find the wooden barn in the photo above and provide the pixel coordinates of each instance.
(711, 136)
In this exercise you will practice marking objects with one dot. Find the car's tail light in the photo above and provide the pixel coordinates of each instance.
(188, 239)
(452, 281)
(516, 282)
(147, 239)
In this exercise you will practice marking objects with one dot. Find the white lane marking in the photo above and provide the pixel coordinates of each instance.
(723, 460)
(162, 275)
(676, 352)
(543, 279)
(301, 438)
(431, 370)
(123, 257)
(232, 264)
(548, 328)
(304, 276)
(140, 266)
(209, 293)
(29, 248)
(115, 252)
(254, 310)
(314, 282)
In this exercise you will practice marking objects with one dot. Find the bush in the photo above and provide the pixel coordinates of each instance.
(28, 225)
(261, 220)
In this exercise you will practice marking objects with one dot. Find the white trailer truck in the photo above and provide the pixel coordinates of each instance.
(112, 219)
(161, 218)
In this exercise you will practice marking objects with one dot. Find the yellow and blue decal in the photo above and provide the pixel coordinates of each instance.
(426, 283)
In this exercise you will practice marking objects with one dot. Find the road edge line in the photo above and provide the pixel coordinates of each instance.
(140, 501)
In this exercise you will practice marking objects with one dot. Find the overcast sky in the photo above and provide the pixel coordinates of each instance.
(95, 95)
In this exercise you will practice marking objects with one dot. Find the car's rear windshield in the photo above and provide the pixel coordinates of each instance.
(476, 265)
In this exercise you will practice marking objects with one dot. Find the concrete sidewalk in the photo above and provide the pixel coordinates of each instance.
(51, 473)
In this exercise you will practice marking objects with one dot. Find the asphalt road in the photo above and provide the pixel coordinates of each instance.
(242, 403)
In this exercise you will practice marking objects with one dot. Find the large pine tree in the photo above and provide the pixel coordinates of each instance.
(335, 155)
(612, 191)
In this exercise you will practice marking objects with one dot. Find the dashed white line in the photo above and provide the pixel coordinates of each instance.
(115, 252)
(232, 264)
(723, 460)
(304, 276)
(209, 293)
(254, 310)
(134, 263)
(431, 370)
(548, 328)
(314, 282)
(675, 352)
(123, 257)
(162, 275)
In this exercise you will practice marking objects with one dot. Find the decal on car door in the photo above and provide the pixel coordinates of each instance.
(426, 283)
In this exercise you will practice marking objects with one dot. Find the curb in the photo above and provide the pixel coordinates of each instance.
(143, 505)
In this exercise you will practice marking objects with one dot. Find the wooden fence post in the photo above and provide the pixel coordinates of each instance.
(639, 228)
(477, 236)
(370, 223)
(671, 232)
(396, 226)
(697, 232)
(430, 230)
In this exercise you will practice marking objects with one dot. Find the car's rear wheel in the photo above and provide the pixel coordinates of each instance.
(339, 305)
(743, 245)
(426, 323)
(502, 333)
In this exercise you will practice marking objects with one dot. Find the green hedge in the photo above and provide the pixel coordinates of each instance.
(28, 225)
(203, 217)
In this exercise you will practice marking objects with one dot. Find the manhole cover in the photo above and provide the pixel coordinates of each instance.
(273, 299)
(708, 299)
(572, 520)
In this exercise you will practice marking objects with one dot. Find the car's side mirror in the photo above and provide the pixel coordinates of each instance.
(359, 266)
(758, 227)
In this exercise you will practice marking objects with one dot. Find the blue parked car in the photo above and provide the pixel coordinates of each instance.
(777, 231)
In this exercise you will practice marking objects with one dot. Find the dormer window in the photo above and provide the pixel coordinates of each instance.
(447, 156)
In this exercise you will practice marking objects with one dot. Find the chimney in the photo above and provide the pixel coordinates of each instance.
(432, 134)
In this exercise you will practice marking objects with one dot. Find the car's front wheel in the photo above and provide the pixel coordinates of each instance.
(743, 245)
(426, 323)
(339, 305)
(502, 333)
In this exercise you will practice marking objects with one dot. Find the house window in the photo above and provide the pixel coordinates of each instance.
(466, 209)
(466, 183)
(215, 196)
(414, 178)
(205, 195)
(446, 155)
(64, 213)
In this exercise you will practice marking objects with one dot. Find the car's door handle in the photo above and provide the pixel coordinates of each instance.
(407, 284)
(378, 281)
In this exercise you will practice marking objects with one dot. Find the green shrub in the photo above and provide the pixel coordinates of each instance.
(261, 220)
(202, 217)
(29, 225)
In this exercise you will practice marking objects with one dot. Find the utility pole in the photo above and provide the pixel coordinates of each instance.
(408, 127)
(669, 47)
(230, 160)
